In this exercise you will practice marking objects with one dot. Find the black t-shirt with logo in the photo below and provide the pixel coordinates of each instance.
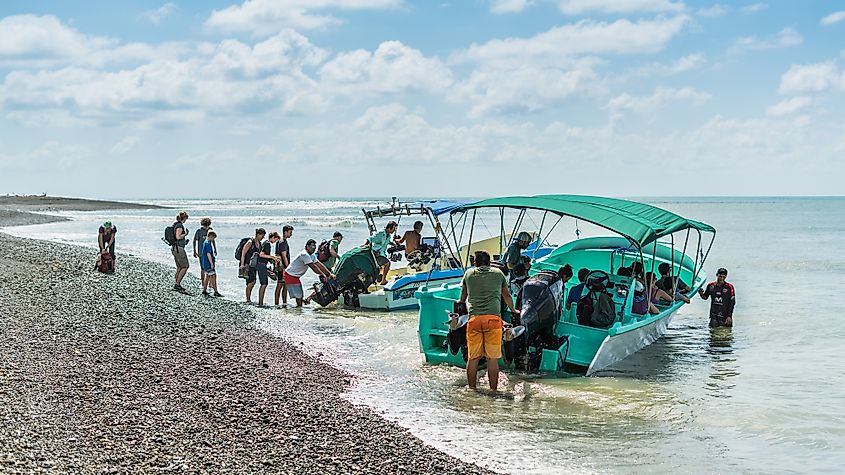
(722, 299)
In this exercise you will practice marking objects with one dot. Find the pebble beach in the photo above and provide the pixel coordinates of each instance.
(118, 373)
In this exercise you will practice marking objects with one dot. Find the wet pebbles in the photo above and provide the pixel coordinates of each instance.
(121, 374)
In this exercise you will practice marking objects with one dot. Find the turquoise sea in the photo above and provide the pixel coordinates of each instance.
(763, 397)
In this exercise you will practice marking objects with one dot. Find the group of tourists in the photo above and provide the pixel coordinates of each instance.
(259, 259)
(255, 254)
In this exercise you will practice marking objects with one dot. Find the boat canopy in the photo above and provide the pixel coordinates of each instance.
(437, 208)
(641, 223)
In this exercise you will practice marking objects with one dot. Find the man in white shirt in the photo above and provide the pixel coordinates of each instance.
(298, 267)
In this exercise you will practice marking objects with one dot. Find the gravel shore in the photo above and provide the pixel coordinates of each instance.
(121, 374)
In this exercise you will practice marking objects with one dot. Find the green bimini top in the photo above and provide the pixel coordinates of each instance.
(641, 223)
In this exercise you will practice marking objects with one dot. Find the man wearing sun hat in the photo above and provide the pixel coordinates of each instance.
(722, 299)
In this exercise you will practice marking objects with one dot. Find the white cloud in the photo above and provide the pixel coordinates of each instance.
(713, 11)
(266, 17)
(492, 88)
(785, 38)
(834, 17)
(159, 14)
(125, 145)
(585, 37)
(500, 7)
(683, 64)
(229, 77)
(789, 106)
(44, 40)
(661, 97)
(50, 157)
(580, 7)
(804, 78)
(391, 68)
(543, 71)
(755, 8)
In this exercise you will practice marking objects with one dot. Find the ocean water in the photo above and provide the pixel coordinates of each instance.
(764, 397)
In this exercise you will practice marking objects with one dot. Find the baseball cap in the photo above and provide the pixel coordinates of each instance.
(722, 271)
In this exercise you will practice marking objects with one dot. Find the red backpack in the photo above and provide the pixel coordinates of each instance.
(106, 263)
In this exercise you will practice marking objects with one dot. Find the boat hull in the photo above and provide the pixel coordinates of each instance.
(399, 295)
(617, 347)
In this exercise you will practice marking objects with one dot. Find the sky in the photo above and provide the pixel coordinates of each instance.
(347, 98)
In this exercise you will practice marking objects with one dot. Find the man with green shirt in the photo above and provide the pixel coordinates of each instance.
(379, 243)
(483, 289)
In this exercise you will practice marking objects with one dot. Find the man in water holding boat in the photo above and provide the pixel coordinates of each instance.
(722, 299)
(482, 289)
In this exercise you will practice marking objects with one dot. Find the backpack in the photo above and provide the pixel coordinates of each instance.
(323, 252)
(105, 263)
(170, 235)
(240, 248)
(603, 311)
(584, 310)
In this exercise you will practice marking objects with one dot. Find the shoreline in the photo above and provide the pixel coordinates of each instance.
(31, 210)
(120, 373)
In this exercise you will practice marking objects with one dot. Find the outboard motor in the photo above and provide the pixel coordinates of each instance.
(540, 303)
(356, 271)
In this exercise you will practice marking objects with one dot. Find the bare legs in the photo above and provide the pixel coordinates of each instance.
(180, 274)
(492, 373)
(261, 289)
(279, 286)
(249, 287)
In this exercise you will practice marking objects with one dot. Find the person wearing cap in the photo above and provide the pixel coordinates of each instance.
(512, 259)
(483, 288)
(105, 239)
(722, 299)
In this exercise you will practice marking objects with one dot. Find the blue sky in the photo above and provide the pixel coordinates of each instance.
(291, 98)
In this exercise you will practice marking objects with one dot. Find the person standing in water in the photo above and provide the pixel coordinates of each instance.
(298, 267)
(284, 261)
(722, 300)
(483, 289)
(249, 261)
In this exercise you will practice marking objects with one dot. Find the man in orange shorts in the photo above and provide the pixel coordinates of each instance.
(482, 289)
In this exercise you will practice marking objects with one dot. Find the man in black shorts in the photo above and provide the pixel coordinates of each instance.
(722, 300)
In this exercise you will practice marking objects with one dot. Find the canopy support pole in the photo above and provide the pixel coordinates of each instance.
(469, 246)
(540, 235)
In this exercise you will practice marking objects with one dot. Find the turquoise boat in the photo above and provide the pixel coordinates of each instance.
(555, 339)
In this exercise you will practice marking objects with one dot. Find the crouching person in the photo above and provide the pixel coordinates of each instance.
(482, 289)
(298, 267)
